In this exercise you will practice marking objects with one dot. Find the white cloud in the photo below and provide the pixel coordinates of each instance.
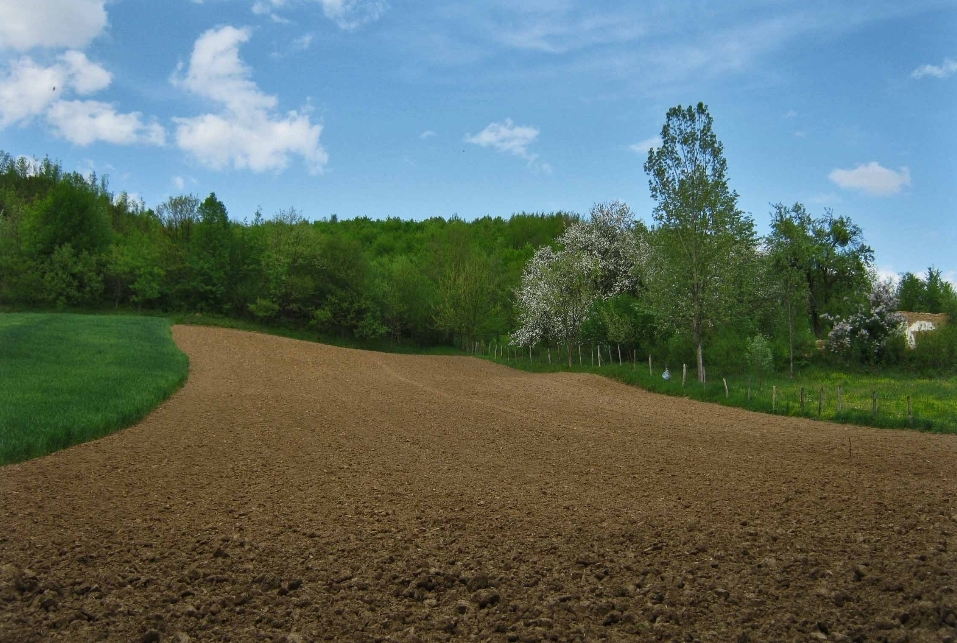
(506, 137)
(296, 45)
(28, 89)
(791, 114)
(247, 133)
(216, 72)
(827, 199)
(943, 70)
(85, 77)
(872, 179)
(427, 134)
(347, 14)
(645, 146)
(85, 122)
(886, 274)
(266, 8)
(179, 183)
(25, 24)
(351, 14)
(302, 43)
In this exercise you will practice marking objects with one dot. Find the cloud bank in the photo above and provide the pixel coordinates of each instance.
(872, 179)
(247, 132)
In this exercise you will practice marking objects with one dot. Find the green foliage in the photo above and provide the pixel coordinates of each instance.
(73, 212)
(936, 351)
(208, 256)
(429, 281)
(71, 279)
(703, 246)
(68, 379)
(928, 294)
(759, 357)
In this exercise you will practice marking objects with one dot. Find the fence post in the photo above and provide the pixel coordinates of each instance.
(874, 404)
(725, 387)
(820, 402)
(910, 412)
(802, 399)
(634, 358)
(840, 398)
(549, 355)
(599, 356)
(774, 398)
(684, 374)
(619, 354)
(650, 371)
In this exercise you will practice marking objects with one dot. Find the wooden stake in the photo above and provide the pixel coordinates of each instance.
(802, 399)
(820, 402)
(874, 404)
(840, 398)
(910, 412)
(549, 355)
(619, 354)
(725, 387)
(774, 398)
(684, 374)
(579, 354)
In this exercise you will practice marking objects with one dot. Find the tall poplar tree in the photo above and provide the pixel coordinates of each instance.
(703, 244)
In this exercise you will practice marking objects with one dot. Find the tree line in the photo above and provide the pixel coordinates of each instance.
(697, 285)
(701, 281)
(67, 241)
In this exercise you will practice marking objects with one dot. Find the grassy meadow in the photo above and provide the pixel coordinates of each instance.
(933, 401)
(67, 379)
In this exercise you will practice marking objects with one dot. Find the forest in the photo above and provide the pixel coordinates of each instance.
(695, 284)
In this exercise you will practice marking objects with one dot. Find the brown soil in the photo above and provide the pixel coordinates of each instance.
(298, 492)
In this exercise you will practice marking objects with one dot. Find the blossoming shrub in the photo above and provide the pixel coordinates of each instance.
(872, 334)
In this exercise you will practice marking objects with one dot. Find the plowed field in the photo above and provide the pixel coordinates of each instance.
(299, 492)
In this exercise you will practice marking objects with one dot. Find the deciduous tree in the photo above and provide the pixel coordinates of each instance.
(703, 245)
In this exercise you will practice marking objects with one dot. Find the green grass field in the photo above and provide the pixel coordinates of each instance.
(933, 400)
(67, 379)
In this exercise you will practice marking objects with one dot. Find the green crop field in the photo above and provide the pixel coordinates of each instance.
(66, 379)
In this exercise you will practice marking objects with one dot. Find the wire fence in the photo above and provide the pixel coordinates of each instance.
(899, 402)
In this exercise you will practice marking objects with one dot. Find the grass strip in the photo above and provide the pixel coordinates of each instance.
(933, 401)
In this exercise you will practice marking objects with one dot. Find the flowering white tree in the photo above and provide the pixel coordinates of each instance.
(599, 259)
(611, 237)
(864, 335)
(555, 296)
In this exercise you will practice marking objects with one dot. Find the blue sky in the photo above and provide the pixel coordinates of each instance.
(417, 109)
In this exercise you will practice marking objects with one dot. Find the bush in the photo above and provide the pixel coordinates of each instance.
(864, 337)
(758, 355)
(935, 351)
